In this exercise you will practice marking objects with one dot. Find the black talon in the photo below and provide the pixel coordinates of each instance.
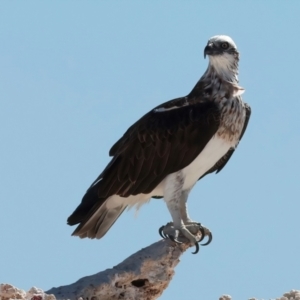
(161, 233)
(197, 248)
(209, 240)
(202, 233)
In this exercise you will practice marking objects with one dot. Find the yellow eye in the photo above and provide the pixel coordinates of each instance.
(224, 45)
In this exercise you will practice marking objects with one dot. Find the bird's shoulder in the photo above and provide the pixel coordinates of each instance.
(220, 164)
(189, 113)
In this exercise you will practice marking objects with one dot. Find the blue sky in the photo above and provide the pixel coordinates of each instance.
(75, 75)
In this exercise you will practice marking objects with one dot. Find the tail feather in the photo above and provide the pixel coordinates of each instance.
(93, 214)
(96, 225)
(87, 206)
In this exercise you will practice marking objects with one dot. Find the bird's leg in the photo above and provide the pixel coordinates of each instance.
(183, 207)
(192, 226)
(176, 200)
(173, 198)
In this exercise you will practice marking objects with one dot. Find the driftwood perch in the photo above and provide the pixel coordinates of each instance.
(143, 275)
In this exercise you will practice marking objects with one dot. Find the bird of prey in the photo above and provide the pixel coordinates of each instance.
(169, 149)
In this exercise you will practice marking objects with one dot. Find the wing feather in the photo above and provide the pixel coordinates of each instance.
(174, 138)
(163, 141)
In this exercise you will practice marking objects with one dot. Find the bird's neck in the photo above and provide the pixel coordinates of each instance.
(222, 74)
(223, 67)
(219, 79)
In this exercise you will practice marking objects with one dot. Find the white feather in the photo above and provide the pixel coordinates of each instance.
(224, 66)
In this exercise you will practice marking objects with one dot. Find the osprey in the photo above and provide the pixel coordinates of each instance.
(165, 152)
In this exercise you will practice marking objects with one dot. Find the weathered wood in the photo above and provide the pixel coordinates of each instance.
(143, 275)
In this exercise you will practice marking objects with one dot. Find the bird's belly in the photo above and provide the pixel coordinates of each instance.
(213, 151)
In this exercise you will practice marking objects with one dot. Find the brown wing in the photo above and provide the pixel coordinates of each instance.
(223, 161)
(163, 141)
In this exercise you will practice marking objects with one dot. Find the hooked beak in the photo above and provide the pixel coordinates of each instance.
(209, 49)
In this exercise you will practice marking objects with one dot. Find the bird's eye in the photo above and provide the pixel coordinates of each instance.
(224, 45)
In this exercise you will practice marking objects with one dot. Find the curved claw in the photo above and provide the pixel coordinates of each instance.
(197, 248)
(173, 239)
(209, 239)
(202, 233)
(161, 233)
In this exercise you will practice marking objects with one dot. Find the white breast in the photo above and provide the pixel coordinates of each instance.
(216, 148)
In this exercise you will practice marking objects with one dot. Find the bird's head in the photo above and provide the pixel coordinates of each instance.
(223, 56)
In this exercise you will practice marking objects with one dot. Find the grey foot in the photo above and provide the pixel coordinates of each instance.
(188, 233)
